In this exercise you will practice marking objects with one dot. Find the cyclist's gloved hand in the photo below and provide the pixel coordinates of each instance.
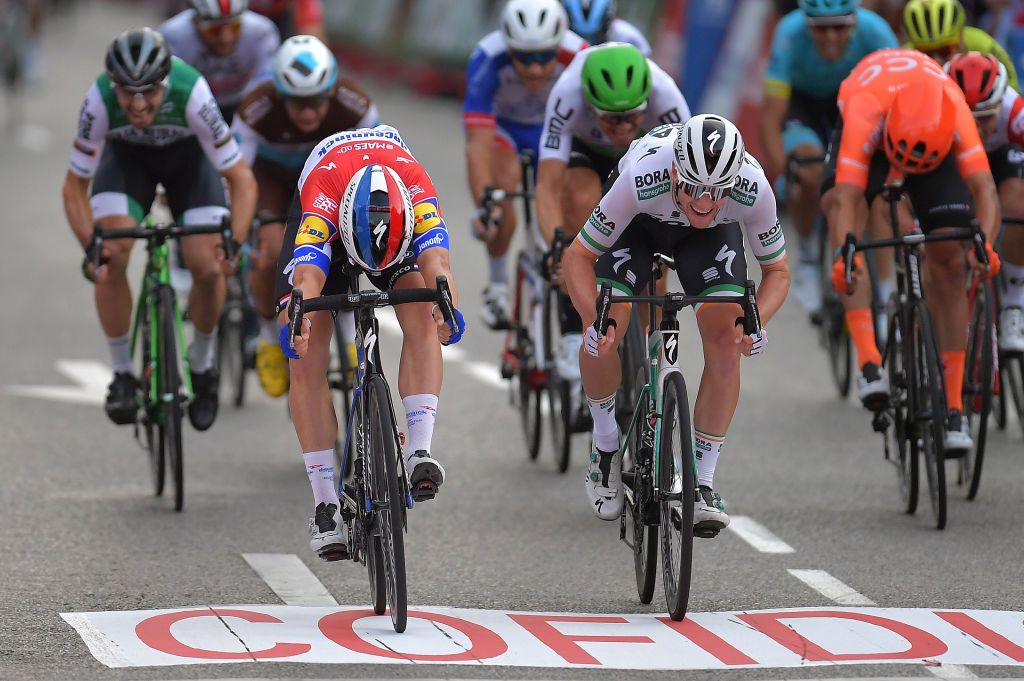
(592, 341)
(301, 342)
(839, 274)
(994, 263)
(758, 343)
(458, 327)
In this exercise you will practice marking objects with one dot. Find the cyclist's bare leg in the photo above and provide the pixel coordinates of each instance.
(879, 227)
(861, 297)
(113, 294)
(582, 191)
(944, 279)
(507, 175)
(312, 411)
(209, 288)
(719, 389)
(263, 279)
(420, 369)
(805, 205)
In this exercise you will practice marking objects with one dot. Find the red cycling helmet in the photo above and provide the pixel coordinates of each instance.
(982, 77)
(919, 126)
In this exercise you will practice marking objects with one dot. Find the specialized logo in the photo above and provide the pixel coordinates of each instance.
(771, 236)
(325, 203)
(427, 216)
(622, 256)
(369, 344)
(713, 138)
(329, 166)
(726, 255)
(379, 232)
(671, 346)
(314, 231)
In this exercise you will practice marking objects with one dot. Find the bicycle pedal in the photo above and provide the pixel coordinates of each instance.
(334, 552)
(954, 454)
(880, 422)
(705, 532)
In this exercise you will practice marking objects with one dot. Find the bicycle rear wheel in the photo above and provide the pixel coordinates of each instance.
(528, 393)
(340, 382)
(155, 442)
(900, 434)
(930, 408)
(388, 502)
(834, 336)
(557, 390)
(231, 342)
(641, 505)
(979, 383)
(676, 490)
(169, 394)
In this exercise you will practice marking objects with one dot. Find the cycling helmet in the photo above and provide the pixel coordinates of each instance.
(932, 24)
(982, 77)
(138, 59)
(376, 218)
(212, 10)
(616, 77)
(828, 8)
(919, 127)
(533, 25)
(708, 152)
(590, 19)
(304, 67)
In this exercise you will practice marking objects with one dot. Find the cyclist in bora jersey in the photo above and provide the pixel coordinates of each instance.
(278, 124)
(999, 113)
(595, 22)
(902, 101)
(607, 97)
(813, 49)
(231, 46)
(152, 118)
(353, 184)
(510, 74)
(690, 191)
(937, 28)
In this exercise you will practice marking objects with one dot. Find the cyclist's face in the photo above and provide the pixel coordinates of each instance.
(700, 212)
(831, 41)
(220, 36)
(986, 124)
(307, 113)
(620, 129)
(140, 108)
(534, 75)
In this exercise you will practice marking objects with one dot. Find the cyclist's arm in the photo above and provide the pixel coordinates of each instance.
(310, 279)
(561, 117)
(242, 191)
(581, 280)
(77, 207)
(550, 184)
(248, 139)
(479, 147)
(93, 123)
(773, 115)
(768, 244)
(986, 202)
(435, 261)
(972, 162)
(479, 120)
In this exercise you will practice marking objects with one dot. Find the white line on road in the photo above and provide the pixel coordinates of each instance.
(100, 645)
(951, 671)
(290, 579)
(831, 588)
(90, 378)
(758, 536)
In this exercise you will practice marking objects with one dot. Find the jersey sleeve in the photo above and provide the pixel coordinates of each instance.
(429, 230)
(777, 79)
(862, 115)
(561, 115)
(969, 153)
(248, 139)
(761, 223)
(481, 87)
(610, 218)
(318, 227)
(206, 121)
(93, 123)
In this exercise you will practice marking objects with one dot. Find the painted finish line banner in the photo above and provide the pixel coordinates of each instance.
(767, 638)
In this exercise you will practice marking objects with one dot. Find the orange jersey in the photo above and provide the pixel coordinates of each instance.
(868, 93)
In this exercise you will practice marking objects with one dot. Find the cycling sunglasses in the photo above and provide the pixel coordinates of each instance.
(617, 117)
(145, 90)
(300, 103)
(695, 191)
(212, 28)
(837, 24)
(530, 58)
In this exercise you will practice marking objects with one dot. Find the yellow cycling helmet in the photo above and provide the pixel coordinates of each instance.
(933, 24)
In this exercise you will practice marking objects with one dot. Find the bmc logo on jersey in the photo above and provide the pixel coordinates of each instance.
(314, 230)
(427, 216)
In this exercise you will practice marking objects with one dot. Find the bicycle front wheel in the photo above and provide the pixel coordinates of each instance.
(675, 488)
(901, 431)
(930, 407)
(979, 383)
(387, 499)
(153, 428)
(169, 394)
(231, 346)
(834, 335)
(340, 382)
(639, 528)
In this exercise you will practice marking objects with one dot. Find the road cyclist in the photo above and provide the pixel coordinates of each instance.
(596, 22)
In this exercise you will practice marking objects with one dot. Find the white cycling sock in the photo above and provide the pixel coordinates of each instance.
(885, 289)
(200, 353)
(420, 412)
(320, 469)
(1014, 295)
(269, 329)
(606, 428)
(120, 353)
(706, 448)
(499, 270)
(347, 323)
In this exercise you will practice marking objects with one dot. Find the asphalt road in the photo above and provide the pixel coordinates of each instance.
(80, 531)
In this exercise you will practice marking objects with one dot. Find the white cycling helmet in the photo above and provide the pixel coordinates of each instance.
(304, 67)
(534, 25)
(708, 152)
(376, 218)
(212, 10)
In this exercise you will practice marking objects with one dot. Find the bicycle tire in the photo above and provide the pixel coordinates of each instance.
(979, 383)
(640, 502)
(930, 407)
(833, 334)
(341, 391)
(633, 359)
(154, 433)
(231, 349)
(907, 461)
(676, 488)
(529, 398)
(560, 418)
(170, 393)
(387, 499)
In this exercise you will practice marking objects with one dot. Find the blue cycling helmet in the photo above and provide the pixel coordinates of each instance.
(828, 8)
(590, 19)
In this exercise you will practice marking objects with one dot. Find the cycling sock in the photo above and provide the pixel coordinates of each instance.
(320, 469)
(200, 353)
(862, 331)
(953, 370)
(120, 353)
(807, 249)
(420, 412)
(707, 447)
(347, 322)
(1014, 295)
(499, 270)
(885, 289)
(268, 330)
(606, 429)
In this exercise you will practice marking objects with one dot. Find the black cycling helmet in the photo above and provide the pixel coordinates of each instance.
(138, 59)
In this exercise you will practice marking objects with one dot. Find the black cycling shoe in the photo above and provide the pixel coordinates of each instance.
(202, 412)
(425, 476)
(122, 405)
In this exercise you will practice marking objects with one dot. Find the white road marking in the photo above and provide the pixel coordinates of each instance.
(289, 578)
(758, 536)
(951, 671)
(100, 644)
(831, 588)
(34, 138)
(90, 376)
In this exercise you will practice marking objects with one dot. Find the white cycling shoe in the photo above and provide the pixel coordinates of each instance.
(568, 360)
(426, 475)
(604, 483)
(807, 285)
(958, 438)
(1011, 330)
(873, 387)
(709, 516)
(494, 309)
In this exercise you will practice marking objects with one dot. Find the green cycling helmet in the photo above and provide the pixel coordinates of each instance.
(616, 77)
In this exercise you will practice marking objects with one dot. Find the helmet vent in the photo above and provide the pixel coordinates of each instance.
(607, 77)
(629, 75)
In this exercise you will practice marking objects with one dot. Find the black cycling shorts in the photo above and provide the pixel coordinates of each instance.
(337, 278)
(583, 156)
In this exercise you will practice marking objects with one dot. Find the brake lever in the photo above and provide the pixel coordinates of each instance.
(604, 304)
(849, 252)
(294, 317)
(752, 314)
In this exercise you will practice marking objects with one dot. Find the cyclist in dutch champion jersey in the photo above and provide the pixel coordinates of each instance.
(365, 201)
(688, 191)
(595, 22)
(813, 49)
(510, 74)
(278, 123)
(151, 118)
(231, 46)
(607, 97)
